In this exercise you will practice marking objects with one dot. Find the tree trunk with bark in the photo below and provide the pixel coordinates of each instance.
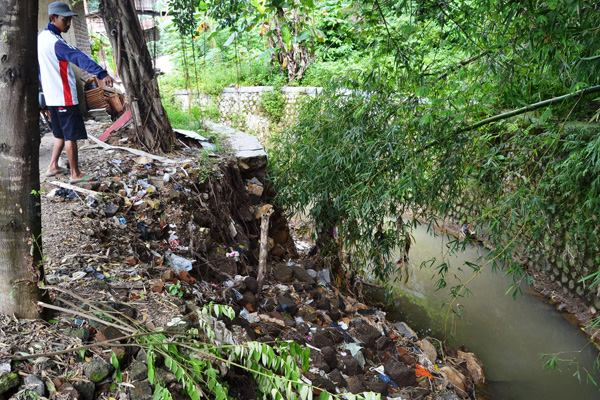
(20, 215)
(134, 66)
(296, 58)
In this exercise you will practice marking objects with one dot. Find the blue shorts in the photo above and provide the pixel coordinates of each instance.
(67, 122)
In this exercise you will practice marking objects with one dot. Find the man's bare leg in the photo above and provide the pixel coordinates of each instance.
(73, 156)
(57, 148)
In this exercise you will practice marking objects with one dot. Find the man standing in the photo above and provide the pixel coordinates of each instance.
(58, 84)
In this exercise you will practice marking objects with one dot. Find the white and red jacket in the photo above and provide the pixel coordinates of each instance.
(56, 74)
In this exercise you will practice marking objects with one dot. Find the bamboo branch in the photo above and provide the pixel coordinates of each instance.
(534, 106)
(82, 314)
(462, 64)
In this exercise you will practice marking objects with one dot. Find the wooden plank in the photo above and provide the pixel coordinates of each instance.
(136, 152)
(76, 188)
(123, 119)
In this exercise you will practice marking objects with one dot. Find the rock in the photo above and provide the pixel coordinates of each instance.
(35, 384)
(301, 274)
(108, 333)
(382, 342)
(324, 383)
(140, 391)
(248, 298)
(226, 265)
(298, 287)
(82, 334)
(474, 366)
(142, 356)
(350, 366)
(323, 304)
(168, 276)
(158, 287)
(87, 389)
(330, 356)
(405, 330)
(120, 352)
(318, 361)
(336, 335)
(322, 339)
(97, 369)
(405, 356)
(283, 273)
(270, 304)
(356, 385)
(378, 387)
(336, 377)
(455, 377)
(110, 211)
(308, 314)
(315, 294)
(428, 349)
(401, 374)
(287, 305)
(367, 335)
(289, 322)
(251, 284)
(277, 251)
(334, 314)
(138, 371)
(166, 376)
(302, 328)
(67, 391)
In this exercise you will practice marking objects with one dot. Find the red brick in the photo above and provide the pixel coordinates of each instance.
(186, 277)
(158, 287)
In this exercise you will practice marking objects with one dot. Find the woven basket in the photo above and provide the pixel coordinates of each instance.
(95, 99)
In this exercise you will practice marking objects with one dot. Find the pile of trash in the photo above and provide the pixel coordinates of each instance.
(155, 239)
(354, 348)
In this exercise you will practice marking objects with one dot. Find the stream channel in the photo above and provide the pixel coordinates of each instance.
(508, 335)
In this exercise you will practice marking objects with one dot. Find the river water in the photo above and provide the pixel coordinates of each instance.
(508, 335)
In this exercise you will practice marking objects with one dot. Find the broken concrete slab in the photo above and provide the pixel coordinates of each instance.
(246, 147)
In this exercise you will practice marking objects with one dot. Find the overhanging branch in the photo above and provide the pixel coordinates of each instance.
(531, 107)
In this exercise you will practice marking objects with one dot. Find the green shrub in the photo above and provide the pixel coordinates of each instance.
(272, 104)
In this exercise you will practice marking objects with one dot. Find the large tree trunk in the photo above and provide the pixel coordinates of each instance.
(20, 216)
(134, 66)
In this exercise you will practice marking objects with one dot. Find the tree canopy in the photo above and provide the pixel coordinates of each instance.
(424, 131)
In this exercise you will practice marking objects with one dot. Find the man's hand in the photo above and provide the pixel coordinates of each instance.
(108, 81)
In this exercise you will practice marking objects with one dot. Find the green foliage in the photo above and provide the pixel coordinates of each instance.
(273, 103)
(175, 289)
(101, 43)
(361, 156)
(114, 360)
(200, 365)
(352, 164)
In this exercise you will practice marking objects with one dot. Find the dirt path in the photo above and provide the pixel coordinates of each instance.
(46, 151)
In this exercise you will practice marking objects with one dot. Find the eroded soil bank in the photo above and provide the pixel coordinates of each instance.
(156, 240)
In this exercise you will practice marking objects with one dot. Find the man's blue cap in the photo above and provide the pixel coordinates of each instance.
(60, 8)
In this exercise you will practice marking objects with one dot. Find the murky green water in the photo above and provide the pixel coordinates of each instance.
(508, 335)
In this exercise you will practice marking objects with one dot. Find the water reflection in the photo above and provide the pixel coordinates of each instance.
(507, 334)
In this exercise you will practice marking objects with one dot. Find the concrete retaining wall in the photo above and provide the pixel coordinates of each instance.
(559, 254)
(242, 107)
